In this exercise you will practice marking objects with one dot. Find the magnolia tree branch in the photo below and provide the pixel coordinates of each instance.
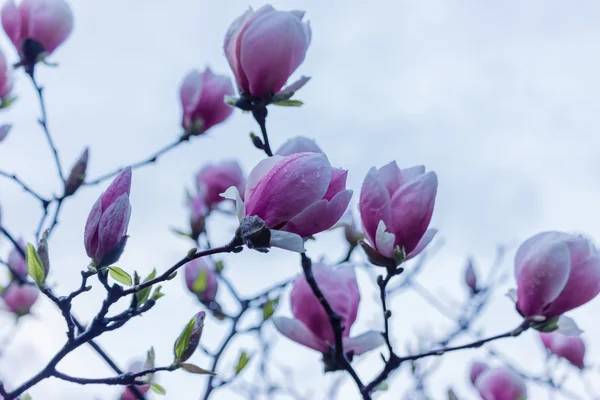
(45, 202)
(259, 113)
(149, 160)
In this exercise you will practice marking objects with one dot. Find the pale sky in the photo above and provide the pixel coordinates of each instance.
(499, 98)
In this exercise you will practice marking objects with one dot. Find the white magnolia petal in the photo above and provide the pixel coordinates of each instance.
(568, 327)
(287, 241)
(233, 194)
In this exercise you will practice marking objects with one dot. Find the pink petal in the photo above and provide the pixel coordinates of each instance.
(113, 226)
(293, 184)
(501, 384)
(90, 233)
(534, 244)
(299, 144)
(273, 46)
(412, 209)
(119, 186)
(211, 106)
(337, 183)
(570, 348)
(258, 173)
(231, 46)
(11, 22)
(391, 176)
(542, 277)
(319, 216)
(362, 343)
(546, 339)
(189, 94)
(374, 204)
(299, 333)
(412, 173)
(423, 243)
(476, 369)
(582, 286)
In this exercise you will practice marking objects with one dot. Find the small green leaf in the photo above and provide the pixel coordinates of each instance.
(289, 103)
(381, 387)
(452, 395)
(143, 294)
(6, 103)
(181, 233)
(219, 266)
(156, 388)
(26, 396)
(183, 341)
(120, 276)
(34, 265)
(242, 362)
(157, 293)
(201, 282)
(194, 369)
(269, 308)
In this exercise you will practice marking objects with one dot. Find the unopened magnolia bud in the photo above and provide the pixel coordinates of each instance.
(192, 252)
(470, 276)
(254, 233)
(77, 175)
(196, 326)
(42, 251)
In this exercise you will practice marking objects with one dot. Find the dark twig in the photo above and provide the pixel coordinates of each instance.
(45, 202)
(43, 121)
(125, 379)
(259, 112)
(150, 160)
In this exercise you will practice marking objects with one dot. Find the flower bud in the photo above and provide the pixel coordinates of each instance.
(477, 368)
(470, 276)
(571, 348)
(501, 384)
(186, 345)
(310, 326)
(199, 212)
(396, 206)
(201, 279)
(555, 273)
(19, 299)
(214, 179)
(36, 27)
(201, 95)
(106, 226)
(264, 48)
(77, 175)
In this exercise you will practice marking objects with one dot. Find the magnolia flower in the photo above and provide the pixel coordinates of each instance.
(77, 174)
(501, 384)
(264, 48)
(201, 279)
(571, 348)
(214, 179)
(16, 261)
(19, 299)
(310, 325)
(396, 206)
(477, 368)
(198, 213)
(555, 273)
(6, 85)
(470, 276)
(36, 26)
(105, 232)
(202, 99)
(296, 196)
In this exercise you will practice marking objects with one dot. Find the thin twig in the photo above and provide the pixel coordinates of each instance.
(45, 202)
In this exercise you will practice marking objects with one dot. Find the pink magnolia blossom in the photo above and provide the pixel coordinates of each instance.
(310, 326)
(296, 196)
(555, 272)
(128, 394)
(571, 348)
(198, 213)
(205, 289)
(16, 261)
(202, 99)
(501, 384)
(106, 226)
(214, 179)
(6, 81)
(48, 22)
(396, 206)
(19, 299)
(477, 368)
(299, 144)
(265, 47)
(470, 276)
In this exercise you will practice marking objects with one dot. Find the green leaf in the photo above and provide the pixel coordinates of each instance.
(34, 265)
(452, 395)
(269, 308)
(219, 266)
(143, 294)
(381, 387)
(157, 293)
(201, 282)
(181, 233)
(26, 396)
(194, 369)
(120, 276)
(289, 103)
(183, 341)
(149, 364)
(156, 388)
(242, 362)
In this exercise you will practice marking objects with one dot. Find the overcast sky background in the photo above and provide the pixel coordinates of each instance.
(499, 98)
